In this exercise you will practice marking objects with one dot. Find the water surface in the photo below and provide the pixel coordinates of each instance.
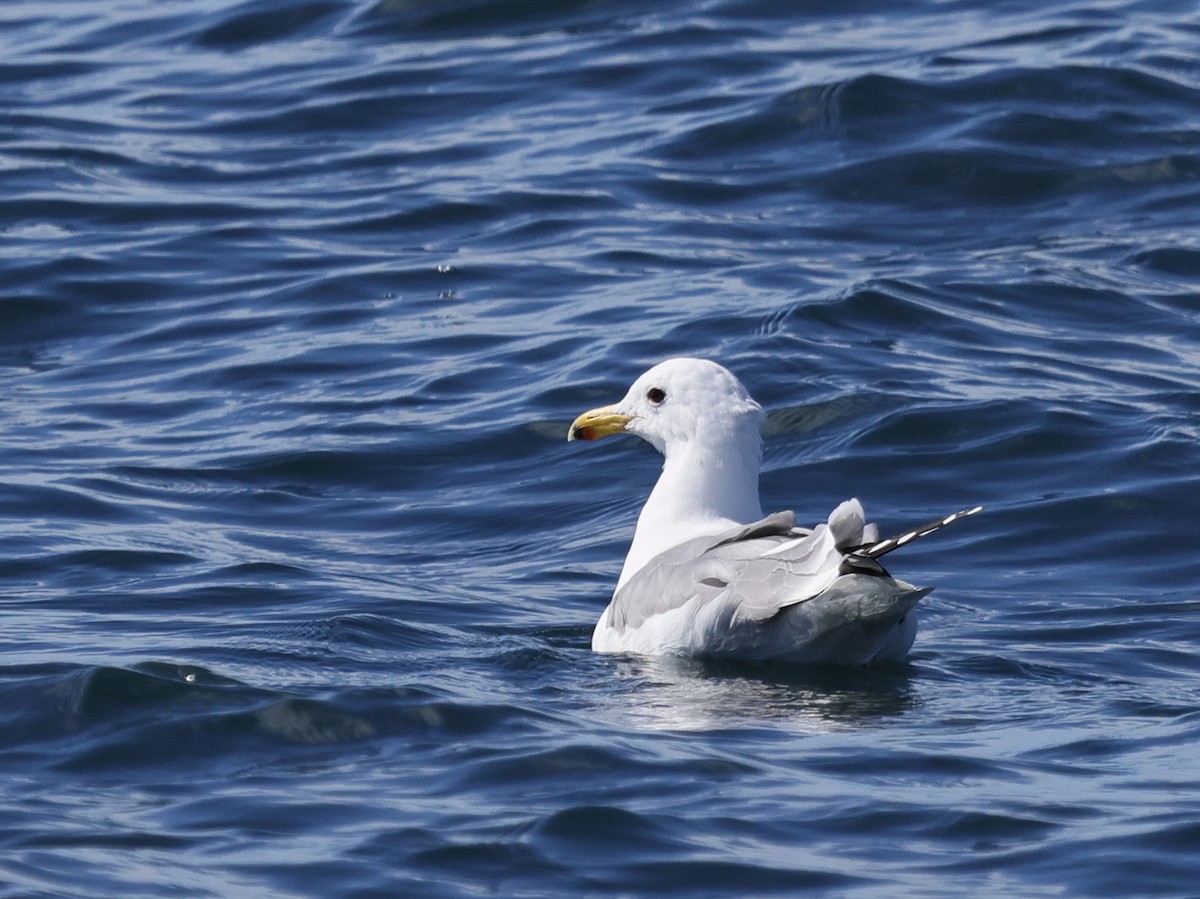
(298, 575)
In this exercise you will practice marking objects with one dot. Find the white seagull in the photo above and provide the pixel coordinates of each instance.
(709, 575)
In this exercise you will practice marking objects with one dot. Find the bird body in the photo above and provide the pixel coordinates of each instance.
(708, 575)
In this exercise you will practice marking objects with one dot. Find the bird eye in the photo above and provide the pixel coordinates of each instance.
(656, 395)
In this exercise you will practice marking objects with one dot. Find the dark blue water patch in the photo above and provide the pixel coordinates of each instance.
(1182, 261)
(779, 128)
(45, 70)
(705, 877)
(263, 23)
(976, 831)
(299, 301)
(737, 13)
(447, 18)
(572, 843)
(1123, 98)
(164, 715)
(942, 178)
(1129, 857)
(29, 323)
(25, 501)
(604, 829)
(96, 701)
(273, 728)
(959, 138)
(81, 568)
(881, 310)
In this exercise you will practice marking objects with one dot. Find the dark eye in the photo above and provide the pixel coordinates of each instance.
(656, 395)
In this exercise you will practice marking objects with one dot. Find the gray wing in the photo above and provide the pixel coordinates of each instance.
(759, 569)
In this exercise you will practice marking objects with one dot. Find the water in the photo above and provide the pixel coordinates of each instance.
(297, 573)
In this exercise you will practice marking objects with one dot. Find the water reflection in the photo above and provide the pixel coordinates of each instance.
(664, 693)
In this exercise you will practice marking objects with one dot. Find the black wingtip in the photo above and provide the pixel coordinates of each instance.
(883, 547)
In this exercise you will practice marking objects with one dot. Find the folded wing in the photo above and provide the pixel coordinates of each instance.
(752, 572)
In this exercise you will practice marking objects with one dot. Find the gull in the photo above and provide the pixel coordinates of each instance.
(707, 574)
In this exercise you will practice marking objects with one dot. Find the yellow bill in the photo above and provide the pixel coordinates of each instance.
(597, 423)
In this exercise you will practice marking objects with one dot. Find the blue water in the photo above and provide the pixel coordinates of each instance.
(298, 573)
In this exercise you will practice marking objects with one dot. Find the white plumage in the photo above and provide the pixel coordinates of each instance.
(707, 574)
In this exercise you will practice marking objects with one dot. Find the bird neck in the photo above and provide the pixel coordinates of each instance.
(704, 489)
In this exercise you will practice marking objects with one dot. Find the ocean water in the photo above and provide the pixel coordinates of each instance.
(298, 574)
